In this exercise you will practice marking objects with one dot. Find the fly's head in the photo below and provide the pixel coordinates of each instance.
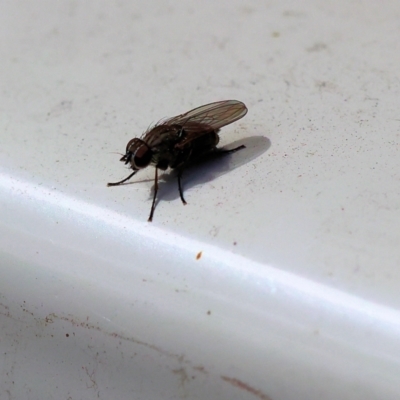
(138, 154)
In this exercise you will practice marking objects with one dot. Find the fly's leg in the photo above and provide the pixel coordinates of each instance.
(182, 165)
(232, 150)
(123, 180)
(180, 185)
(153, 206)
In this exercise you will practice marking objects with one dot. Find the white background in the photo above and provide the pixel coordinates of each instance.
(296, 292)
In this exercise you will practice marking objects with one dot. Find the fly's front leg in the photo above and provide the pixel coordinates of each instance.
(123, 180)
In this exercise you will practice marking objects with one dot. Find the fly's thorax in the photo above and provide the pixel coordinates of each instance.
(162, 134)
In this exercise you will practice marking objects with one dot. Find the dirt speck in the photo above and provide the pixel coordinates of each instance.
(199, 254)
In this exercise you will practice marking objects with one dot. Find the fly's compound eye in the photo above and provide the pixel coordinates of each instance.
(142, 156)
(140, 153)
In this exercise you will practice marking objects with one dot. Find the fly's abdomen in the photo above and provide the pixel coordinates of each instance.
(200, 143)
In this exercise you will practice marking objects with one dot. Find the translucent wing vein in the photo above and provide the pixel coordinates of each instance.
(215, 115)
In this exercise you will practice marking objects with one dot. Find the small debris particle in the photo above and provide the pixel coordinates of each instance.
(199, 255)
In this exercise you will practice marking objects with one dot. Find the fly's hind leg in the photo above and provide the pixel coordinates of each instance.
(221, 151)
(180, 169)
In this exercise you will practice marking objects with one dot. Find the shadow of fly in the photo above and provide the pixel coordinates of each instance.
(178, 141)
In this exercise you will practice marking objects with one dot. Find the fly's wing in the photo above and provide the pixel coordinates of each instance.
(213, 115)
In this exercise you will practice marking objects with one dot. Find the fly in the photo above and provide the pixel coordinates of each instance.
(177, 141)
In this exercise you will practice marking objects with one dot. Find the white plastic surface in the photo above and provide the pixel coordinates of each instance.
(280, 278)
